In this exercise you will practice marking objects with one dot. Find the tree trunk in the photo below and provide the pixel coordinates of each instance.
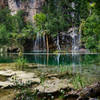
(47, 44)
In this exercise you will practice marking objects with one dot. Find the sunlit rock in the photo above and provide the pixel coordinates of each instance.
(53, 85)
(23, 77)
(6, 84)
(7, 73)
(18, 78)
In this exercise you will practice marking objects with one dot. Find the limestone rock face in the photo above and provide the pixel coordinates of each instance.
(13, 7)
(30, 7)
(3, 3)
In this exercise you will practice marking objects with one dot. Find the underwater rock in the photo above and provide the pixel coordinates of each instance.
(53, 85)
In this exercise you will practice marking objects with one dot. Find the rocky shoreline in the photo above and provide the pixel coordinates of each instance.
(51, 87)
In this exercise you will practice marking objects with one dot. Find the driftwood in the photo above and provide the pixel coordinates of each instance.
(92, 91)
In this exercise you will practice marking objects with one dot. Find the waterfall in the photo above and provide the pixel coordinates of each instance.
(36, 44)
(44, 43)
(39, 44)
(74, 32)
(58, 58)
(73, 6)
(58, 44)
(75, 38)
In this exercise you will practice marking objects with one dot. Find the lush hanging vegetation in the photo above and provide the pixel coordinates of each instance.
(54, 18)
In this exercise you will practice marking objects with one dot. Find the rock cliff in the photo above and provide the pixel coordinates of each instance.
(30, 7)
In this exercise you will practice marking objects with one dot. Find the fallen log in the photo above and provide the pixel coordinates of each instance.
(92, 91)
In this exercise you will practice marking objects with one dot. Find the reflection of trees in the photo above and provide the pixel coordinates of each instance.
(90, 59)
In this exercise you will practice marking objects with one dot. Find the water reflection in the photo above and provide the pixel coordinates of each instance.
(55, 59)
(81, 63)
(76, 61)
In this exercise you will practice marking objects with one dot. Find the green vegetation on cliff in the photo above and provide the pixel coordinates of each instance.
(54, 18)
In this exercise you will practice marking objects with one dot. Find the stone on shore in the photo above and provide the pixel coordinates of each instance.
(53, 85)
(7, 73)
(6, 84)
(18, 78)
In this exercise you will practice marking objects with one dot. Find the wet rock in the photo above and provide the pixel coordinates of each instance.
(17, 78)
(53, 85)
(82, 50)
(7, 73)
(6, 84)
(23, 77)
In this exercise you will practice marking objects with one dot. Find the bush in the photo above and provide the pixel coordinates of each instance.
(91, 33)
(21, 62)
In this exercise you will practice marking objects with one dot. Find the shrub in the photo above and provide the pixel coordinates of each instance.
(21, 62)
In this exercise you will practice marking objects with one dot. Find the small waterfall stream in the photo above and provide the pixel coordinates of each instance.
(44, 43)
(39, 44)
(36, 46)
(58, 43)
(75, 39)
(58, 59)
(74, 32)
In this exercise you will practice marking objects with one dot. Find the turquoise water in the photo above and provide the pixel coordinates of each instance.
(54, 59)
(83, 63)
(87, 65)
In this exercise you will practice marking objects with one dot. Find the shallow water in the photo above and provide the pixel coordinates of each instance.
(85, 64)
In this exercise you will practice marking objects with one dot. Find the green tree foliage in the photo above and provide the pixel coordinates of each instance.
(13, 29)
(3, 34)
(4, 15)
(55, 17)
(91, 33)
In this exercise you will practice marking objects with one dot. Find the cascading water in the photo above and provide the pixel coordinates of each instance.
(58, 58)
(75, 39)
(44, 43)
(58, 44)
(74, 33)
(39, 44)
(36, 44)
